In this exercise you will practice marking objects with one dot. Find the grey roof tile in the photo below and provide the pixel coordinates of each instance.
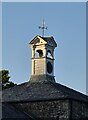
(31, 91)
(8, 111)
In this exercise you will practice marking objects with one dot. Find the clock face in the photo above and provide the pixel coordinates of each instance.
(49, 67)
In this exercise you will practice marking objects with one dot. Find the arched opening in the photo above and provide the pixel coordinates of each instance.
(49, 55)
(39, 53)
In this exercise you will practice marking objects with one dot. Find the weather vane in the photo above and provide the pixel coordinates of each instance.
(43, 27)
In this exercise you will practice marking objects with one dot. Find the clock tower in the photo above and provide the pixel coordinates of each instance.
(43, 58)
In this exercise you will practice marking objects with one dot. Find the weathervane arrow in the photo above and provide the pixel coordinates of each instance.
(43, 27)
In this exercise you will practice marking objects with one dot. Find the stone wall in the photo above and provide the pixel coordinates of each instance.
(52, 110)
(79, 110)
(55, 109)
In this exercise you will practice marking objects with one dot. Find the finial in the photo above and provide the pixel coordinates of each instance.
(43, 27)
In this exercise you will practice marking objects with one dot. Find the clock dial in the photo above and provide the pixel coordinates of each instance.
(49, 67)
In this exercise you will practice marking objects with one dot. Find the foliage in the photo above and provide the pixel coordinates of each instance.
(4, 79)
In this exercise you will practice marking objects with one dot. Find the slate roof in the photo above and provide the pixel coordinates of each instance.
(45, 90)
(8, 111)
(48, 39)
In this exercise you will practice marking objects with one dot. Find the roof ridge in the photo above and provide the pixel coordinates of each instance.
(71, 90)
(52, 91)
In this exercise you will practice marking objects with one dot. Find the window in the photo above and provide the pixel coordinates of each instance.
(39, 53)
(49, 55)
